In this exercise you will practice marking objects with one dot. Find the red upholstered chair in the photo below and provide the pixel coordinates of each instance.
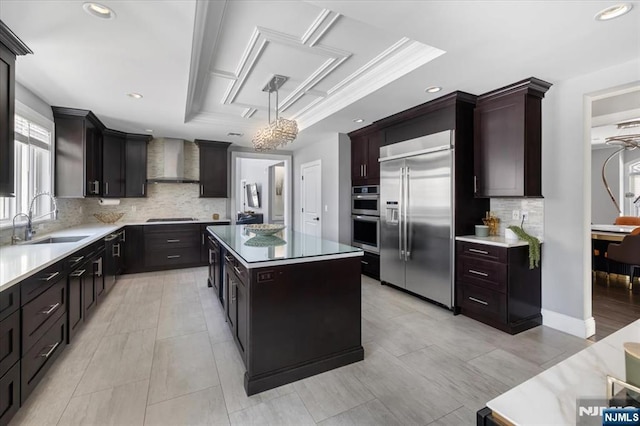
(627, 252)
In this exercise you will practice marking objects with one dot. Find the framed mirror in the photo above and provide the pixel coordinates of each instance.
(253, 195)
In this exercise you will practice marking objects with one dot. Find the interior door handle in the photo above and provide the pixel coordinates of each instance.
(316, 218)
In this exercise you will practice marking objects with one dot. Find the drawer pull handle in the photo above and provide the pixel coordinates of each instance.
(472, 250)
(482, 302)
(238, 271)
(228, 259)
(51, 349)
(76, 259)
(77, 274)
(482, 274)
(173, 241)
(173, 256)
(51, 309)
(364, 263)
(50, 277)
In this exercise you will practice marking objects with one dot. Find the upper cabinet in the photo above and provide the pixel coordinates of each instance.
(213, 168)
(507, 140)
(365, 150)
(78, 153)
(10, 47)
(113, 164)
(136, 165)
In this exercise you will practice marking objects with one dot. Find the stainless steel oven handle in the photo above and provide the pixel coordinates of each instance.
(366, 218)
(400, 206)
(407, 224)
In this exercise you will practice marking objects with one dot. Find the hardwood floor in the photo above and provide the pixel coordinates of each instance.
(614, 305)
(172, 361)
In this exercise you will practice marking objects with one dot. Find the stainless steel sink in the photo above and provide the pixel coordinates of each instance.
(54, 240)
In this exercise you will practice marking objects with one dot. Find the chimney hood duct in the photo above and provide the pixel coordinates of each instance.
(173, 160)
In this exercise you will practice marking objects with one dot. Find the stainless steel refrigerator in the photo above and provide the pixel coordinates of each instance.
(416, 218)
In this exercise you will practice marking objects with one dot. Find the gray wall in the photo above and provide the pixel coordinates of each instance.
(30, 99)
(335, 163)
(602, 209)
(566, 180)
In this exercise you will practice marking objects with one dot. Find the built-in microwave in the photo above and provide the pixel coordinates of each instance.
(365, 232)
(365, 200)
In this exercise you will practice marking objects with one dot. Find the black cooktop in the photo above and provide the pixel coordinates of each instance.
(172, 219)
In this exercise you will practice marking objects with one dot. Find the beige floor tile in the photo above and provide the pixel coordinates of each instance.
(372, 413)
(205, 407)
(132, 317)
(461, 417)
(217, 327)
(208, 298)
(143, 290)
(281, 411)
(119, 359)
(505, 367)
(177, 319)
(119, 406)
(231, 371)
(182, 365)
(177, 291)
(331, 393)
(106, 309)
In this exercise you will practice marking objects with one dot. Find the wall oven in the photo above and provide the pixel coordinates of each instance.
(365, 232)
(365, 200)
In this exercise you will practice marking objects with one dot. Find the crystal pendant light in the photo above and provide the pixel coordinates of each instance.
(279, 132)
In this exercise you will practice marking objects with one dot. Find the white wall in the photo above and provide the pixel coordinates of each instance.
(335, 162)
(31, 100)
(566, 180)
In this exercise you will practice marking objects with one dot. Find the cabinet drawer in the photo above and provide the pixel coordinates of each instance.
(41, 356)
(41, 281)
(482, 251)
(41, 312)
(483, 273)
(233, 264)
(370, 265)
(486, 303)
(172, 240)
(9, 394)
(9, 342)
(9, 301)
(172, 257)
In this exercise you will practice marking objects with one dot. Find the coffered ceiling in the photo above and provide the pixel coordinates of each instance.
(201, 65)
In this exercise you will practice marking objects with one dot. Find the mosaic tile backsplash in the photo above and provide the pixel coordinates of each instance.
(503, 209)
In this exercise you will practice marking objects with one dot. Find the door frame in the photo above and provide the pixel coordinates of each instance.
(302, 193)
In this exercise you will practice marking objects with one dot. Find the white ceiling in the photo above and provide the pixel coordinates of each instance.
(201, 66)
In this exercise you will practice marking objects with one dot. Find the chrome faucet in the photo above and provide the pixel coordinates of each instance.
(14, 237)
(29, 231)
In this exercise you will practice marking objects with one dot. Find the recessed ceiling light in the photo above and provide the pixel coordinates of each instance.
(613, 11)
(358, 120)
(433, 89)
(98, 10)
(135, 95)
(235, 134)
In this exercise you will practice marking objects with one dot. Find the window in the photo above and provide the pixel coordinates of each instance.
(33, 169)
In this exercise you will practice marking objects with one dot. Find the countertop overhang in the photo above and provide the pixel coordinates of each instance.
(299, 248)
(492, 241)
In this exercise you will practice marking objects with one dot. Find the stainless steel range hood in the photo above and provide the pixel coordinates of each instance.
(173, 160)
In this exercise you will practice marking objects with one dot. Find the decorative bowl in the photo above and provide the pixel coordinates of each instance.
(265, 241)
(109, 217)
(265, 228)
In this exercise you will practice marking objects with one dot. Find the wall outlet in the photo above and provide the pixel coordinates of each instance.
(515, 215)
(525, 215)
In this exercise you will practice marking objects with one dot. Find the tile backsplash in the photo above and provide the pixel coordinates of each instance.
(503, 209)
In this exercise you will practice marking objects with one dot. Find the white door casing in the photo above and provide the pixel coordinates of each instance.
(311, 195)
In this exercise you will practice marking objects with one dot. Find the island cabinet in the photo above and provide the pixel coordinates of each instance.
(213, 168)
(215, 278)
(494, 285)
(507, 140)
(365, 151)
(293, 306)
(10, 47)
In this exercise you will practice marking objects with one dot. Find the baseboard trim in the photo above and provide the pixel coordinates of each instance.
(567, 324)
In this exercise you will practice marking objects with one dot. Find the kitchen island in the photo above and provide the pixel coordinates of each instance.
(293, 303)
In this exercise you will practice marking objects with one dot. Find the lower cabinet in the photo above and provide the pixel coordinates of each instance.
(494, 285)
(370, 263)
(236, 277)
(9, 394)
(75, 307)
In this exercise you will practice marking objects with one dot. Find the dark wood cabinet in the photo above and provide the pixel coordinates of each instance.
(93, 285)
(236, 277)
(10, 47)
(494, 285)
(9, 394)
(214, 280)
(39, 314)
(371, 265)
(507, 147)
(9, 342)
(134, 249)
(365, 151)
(78, 153)
(76, 301)
(136, 165)
(113, 164)
(172, 246)
(213, 168)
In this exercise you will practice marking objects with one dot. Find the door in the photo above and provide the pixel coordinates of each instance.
(391, 237)
(429, 224)
(311, 198)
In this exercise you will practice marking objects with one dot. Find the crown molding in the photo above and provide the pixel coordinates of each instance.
(12, 41)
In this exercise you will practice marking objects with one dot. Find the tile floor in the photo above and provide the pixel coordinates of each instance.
(158, 352)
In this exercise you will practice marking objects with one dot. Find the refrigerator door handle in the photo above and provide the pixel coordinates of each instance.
(407, 224)
(400, 208)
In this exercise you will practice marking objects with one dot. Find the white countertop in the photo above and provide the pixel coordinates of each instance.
(550, 397)
(20, 261)
(499, 241)
(621, 229)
